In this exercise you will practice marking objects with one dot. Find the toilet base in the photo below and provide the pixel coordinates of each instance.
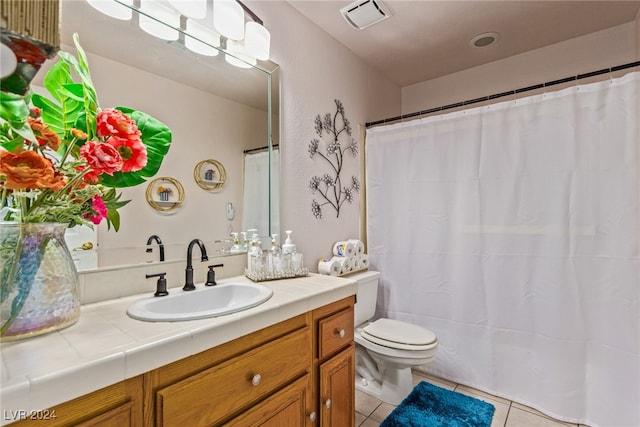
(397, 385)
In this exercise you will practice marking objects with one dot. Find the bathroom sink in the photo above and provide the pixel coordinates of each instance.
(204, 302)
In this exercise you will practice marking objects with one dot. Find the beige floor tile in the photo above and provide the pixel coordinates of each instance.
(541, 414)
(360, 418)
(381, 412)
(500, 415)
(366, 404)
(440, 382)
(370, 423)
(521, 418)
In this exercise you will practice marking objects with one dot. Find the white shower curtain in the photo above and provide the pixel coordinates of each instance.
(260, 204)
(512, 232)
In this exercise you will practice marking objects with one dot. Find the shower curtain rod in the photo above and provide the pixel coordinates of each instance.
(253, 150)
(511, 92)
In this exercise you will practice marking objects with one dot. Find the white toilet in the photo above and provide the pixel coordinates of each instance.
(386, 349)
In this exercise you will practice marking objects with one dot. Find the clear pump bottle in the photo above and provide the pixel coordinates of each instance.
(254, 257)
(275, 257)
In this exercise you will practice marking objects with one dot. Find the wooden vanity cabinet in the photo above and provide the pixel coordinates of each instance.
(117, 405)
(299, 372)
(334, 364)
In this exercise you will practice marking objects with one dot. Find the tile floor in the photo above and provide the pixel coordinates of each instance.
(370, 412)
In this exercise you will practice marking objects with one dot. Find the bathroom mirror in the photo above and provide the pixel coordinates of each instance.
(214, 109)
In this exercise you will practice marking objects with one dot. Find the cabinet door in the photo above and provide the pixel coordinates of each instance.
(118, 417)
(117, 405)
(337, 390)
(286, 408)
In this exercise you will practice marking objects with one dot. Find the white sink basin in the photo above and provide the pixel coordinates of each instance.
(204, 302)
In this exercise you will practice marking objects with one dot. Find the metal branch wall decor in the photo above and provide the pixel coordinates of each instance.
(331, 189)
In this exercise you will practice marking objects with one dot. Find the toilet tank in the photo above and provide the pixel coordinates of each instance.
(366, 296)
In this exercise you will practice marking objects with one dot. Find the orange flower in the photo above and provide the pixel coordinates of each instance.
(29, 170)
(44, 135)
(77, 133)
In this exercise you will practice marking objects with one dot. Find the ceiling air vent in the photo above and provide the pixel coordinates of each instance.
(364, 13)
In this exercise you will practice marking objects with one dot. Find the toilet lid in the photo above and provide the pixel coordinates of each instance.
(397, 334)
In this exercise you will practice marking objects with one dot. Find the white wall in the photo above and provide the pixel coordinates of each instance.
(595, 51)
(316, 69)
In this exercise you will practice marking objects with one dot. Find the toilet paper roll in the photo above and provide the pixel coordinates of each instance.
(364, 260)
(356, 262)
(346, 264)
(344, 249)
(331, 268)
(358, 246)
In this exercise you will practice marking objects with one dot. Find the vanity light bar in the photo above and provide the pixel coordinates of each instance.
(246, 43)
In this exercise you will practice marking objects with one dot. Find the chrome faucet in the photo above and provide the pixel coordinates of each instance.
(189, 286)
(160, 245)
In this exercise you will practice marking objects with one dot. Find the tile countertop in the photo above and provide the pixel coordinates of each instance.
(106, 346)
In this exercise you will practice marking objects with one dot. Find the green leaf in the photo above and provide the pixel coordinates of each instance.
(84, 91)
(113, 217)
(58, 75)
(156, 136)
(112, 200)
(14, 110)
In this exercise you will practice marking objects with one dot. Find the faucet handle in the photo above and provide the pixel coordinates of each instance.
(211, 275)
(161, 285)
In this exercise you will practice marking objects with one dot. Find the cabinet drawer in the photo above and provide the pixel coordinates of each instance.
(335, 332)
(218, 392)
(286, 408)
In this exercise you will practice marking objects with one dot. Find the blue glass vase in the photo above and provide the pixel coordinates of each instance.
(39, 284)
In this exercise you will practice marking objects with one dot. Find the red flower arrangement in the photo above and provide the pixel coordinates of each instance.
(62, 157)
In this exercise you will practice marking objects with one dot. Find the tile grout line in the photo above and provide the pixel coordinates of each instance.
(508, 412)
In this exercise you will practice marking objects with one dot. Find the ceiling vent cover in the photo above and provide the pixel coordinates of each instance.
(364, 13)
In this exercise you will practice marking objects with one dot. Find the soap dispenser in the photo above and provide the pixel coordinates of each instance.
(275, 257)
(236, 243)
(254, 255)
(289, 247)
(275, 246)
(244, 243)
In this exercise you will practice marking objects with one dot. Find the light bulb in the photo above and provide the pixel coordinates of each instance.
(112, 8)
(228, 19)
(257, 40)
(192, 8)
(157, 20)
(238, 56)
(208, 36)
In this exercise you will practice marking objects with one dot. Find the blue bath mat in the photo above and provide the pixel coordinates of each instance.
(431, 406)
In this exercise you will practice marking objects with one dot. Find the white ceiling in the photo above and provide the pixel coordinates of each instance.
(427, 39)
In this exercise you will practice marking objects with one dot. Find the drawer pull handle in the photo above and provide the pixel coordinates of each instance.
(256, 379)
(312, 416)
(328, 403)
(341, 332)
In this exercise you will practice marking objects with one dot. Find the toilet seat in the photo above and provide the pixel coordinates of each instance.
(399, 335)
